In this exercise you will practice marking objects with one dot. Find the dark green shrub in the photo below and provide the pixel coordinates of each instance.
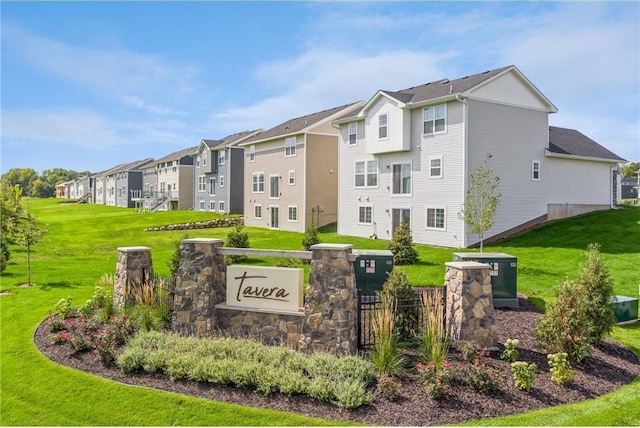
(599, 288)
(5, 255)
(565, 326)
(407, 312)
(310, 238)
(402, 247)
(237, 238)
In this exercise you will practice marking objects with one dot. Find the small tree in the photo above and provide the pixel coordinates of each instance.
(310, 237)
(481, 202)
(237, 238)
(402, 247)
(599, 291)
(28, 234)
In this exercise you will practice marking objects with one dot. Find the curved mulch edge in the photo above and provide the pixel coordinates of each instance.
(610, 366)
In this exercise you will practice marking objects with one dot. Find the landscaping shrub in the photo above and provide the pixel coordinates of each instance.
(434, 346)
(523, 374)
(482, 378)
(237, 238)
(310, 238)
(435, 377)
(565, 326)
(560, 368)
(64, 307)
(385, 355)
(599, 291)
(407, 315)
(510, 352)
(404, 252)
(388, 386)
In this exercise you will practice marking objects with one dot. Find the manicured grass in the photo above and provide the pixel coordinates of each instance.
(82, 246)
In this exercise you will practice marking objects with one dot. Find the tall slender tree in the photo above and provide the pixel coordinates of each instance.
(28, 234)
(481, 202)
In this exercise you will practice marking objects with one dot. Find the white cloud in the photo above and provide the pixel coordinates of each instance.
(141, 104)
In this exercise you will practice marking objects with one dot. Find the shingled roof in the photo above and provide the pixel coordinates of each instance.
(176, 155)
(229, 139)
(574, 143)
(299, 124)
(136, 165)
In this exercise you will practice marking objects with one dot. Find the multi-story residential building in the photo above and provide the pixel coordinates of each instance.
(219, 174)
(122, 182)
(167, 183)
(409, 154)
(291, 172)
(100, 185)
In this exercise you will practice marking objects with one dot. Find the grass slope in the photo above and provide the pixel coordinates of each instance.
(82, 246)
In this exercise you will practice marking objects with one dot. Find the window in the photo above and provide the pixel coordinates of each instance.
(222, 181)
(258, 182)
(274, 213)
(365, 215)
(174, 169)
(257, 211)
(197, 162)
(293, 213)
(201, 205)
(401, 179)
(252, 153)
(202, 184)
(353, 133)
(290, 146)
(221, 157)
(535, 170)
(436, 218)
(382, 126)
(435, 166)
(274, 187)
(204, 159)
(366, 173)
(433, 119)
(221, 206)
(212, 186)
(292, 177)
(212, 205)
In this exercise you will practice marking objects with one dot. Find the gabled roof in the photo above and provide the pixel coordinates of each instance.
(176, 155)
(131, 166)
(445, 89)
(108, 170)
(569, 142)
(229, 140)
(302, 124)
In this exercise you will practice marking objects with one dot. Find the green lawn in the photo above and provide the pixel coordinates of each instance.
(82, 246)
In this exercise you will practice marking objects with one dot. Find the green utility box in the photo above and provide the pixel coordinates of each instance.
(504, 276)
(625, 308)
(372, 267)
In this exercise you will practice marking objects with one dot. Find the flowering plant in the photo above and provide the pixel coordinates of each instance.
(435, 377)
(388, 387)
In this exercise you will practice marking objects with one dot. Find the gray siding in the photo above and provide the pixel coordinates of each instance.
(236, 181)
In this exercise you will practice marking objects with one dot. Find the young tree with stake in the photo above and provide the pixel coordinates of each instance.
(481, 202)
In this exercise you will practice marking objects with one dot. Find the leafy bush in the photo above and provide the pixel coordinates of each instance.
(560, 368)
(565, 326)
(404, 253)
(435, 377)
(398, 287)
(237, 238)
(510, 352)
(388, 387)
(523, 373)
(599, 291)
(483, 379)
(64, 307)
(350, 394)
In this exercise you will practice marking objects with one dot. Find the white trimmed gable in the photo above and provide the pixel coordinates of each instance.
(512, 88)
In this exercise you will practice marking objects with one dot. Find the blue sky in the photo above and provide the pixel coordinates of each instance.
(89, 85)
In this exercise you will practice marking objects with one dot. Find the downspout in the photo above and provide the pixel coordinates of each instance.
(465, 166)
(304, 187)
(613, 169)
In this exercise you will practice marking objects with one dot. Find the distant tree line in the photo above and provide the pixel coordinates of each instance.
(38, 186)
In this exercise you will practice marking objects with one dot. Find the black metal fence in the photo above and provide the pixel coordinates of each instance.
(410, 315)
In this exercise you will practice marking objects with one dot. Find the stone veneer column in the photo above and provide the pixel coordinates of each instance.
(134, 266)
(469, 305)
(330, 307)
(200, 285)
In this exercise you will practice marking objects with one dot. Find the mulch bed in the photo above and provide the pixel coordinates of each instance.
(610, 366)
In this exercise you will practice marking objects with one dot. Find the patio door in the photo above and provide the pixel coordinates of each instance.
(397, 215)
(274, 215)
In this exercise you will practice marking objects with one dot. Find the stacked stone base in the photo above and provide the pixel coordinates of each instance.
(269, 328)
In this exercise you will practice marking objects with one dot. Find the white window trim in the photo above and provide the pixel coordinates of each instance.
(204, 159)
(436, 177)
(255, 174)
(212, 186)
(386, 114)
(358, 214)
(254, 211)
(212, 205)
(291, 175)
(270, 219)
(222, 157)
(201, 205)
(278, 181)
(292, 148)
(434, 119)
(252, 153)
(349, 134)
(221, 181)
(222, 207)
(435, 207)
(533, 170)
(289, 213)
(366, 174)
(410, 179)
(202, 183)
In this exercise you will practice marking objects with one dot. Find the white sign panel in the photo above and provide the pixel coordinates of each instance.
(258, 287)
